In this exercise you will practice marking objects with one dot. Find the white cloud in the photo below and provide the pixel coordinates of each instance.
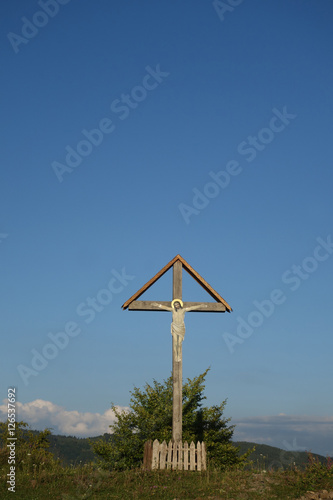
(40, 414)
(289, 432)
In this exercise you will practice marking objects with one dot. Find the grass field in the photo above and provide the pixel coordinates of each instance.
(90, 482)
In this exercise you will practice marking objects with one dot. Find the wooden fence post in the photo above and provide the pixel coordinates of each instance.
(169, 462)
(192, 456)
(185, 456)
(148, 455)
(198, 456)
(155, 459)
(163, 449)
(204, 456)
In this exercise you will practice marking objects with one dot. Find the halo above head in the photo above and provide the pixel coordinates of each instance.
(176, 300)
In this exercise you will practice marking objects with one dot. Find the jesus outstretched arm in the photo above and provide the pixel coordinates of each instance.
(166, 308)
(193, 308)
(177, 306)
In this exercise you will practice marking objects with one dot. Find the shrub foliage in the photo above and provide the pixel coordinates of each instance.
(31, 448)
(150, 417)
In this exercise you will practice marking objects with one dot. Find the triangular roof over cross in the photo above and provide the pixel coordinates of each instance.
(133, 304)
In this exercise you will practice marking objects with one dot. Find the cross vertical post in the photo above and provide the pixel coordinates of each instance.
(178, 308)
(177, 364)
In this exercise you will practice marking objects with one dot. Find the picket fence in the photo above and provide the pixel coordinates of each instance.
(174, 455)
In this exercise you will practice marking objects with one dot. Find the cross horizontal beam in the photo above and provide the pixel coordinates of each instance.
(147, 305)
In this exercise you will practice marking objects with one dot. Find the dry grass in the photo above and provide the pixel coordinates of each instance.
(89, 482)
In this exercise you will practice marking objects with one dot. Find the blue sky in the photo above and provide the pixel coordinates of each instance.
(134, 132)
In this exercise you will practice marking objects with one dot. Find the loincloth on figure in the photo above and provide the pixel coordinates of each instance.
(178, 330)
(178, 333)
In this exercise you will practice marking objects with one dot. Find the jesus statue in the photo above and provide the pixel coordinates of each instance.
(178, 323)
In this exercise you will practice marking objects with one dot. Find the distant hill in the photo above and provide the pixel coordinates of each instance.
(269, 457)
(73, 450)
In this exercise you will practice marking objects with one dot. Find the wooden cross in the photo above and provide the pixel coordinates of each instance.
(220, 305)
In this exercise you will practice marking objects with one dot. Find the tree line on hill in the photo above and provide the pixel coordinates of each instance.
(150, 417)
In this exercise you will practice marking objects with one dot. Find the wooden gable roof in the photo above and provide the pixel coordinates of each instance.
(216, 296)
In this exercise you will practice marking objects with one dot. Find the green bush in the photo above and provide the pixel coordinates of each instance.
(31, 448)
(150, 417)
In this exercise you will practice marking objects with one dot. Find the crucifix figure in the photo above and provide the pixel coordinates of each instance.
(178, 309)
(178, 322)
